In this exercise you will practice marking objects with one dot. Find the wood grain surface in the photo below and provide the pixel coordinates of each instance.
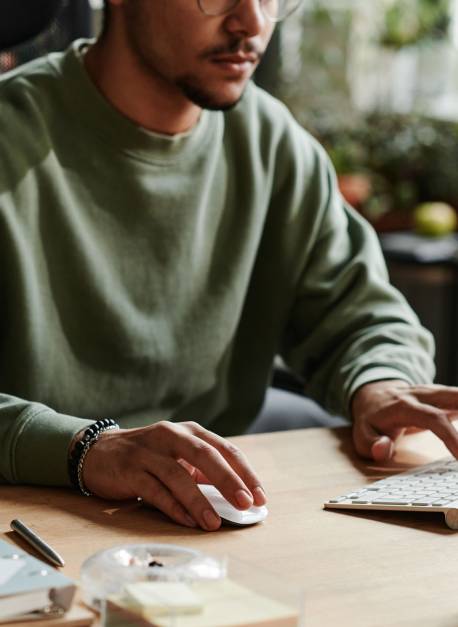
(354, 569)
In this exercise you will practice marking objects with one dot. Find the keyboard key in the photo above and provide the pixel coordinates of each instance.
(388, 501)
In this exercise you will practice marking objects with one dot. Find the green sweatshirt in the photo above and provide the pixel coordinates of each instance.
(146, 277)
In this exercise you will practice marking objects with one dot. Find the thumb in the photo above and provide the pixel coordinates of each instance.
(369, 443)
(382, 449)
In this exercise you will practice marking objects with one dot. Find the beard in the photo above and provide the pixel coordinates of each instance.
(195, 90)
(191, 85)
(191, 88)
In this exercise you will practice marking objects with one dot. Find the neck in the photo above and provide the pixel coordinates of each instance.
(135, 91)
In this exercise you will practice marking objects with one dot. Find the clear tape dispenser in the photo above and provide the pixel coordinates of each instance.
(165, 585)
(107, 572)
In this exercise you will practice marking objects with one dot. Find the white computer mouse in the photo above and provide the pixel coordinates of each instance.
(230, 514)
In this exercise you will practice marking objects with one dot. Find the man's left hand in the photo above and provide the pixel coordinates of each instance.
(384, 410)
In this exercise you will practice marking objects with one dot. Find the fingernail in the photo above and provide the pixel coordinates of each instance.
(244, 499)
(391, 450)
(382, 449)
(212, 520)
(190, 521)
(260, 495)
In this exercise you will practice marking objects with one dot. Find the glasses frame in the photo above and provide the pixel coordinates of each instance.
(275, 20)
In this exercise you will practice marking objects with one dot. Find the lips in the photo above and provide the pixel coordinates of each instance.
(236, 66)
(235, 58)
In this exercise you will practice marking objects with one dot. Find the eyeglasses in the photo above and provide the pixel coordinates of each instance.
(274, 10)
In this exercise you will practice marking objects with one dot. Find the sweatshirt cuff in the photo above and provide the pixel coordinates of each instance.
(370, 376)
(40, 453)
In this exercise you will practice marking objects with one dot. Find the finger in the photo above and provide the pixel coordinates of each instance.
(236, 459)
(190, 469)
(184, 489)
(382, 449)
(218, 471)
(178, 442)
(437, 421)
(451, 417)
(417, 414)
(441, 396)
(372, 444)
(413, 430)
(193, 472)
(157, 495)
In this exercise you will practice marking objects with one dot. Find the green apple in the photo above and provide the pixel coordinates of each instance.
(434, 219)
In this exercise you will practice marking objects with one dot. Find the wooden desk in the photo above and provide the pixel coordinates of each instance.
(358, 569)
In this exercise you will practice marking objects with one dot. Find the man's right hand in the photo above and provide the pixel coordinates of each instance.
(163, 463)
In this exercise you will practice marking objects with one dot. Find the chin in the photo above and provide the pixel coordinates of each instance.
(218, 105)
(214, 99)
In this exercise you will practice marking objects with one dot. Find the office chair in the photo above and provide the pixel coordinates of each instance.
(31, 28)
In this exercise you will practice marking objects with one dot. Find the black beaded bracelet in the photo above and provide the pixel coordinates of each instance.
(81, 448)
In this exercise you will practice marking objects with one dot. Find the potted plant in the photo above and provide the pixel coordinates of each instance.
(406, 159)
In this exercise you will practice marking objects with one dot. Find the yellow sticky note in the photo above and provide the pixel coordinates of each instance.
(229, 604)
(157, 598)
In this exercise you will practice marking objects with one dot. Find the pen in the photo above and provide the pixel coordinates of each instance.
(34, 540)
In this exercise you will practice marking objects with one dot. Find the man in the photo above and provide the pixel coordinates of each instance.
(166, 229)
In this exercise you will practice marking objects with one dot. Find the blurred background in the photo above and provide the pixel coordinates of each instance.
(376, 81)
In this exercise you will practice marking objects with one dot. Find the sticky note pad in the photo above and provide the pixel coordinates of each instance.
(155, 598)
(223, 603)
(229, 604)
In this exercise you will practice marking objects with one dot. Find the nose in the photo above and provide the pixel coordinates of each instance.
(247, 18)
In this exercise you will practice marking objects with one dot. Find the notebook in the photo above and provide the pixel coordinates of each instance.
(30, 588)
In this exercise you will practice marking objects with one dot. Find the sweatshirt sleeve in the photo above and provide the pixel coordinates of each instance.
(348, 326)
(34, 442)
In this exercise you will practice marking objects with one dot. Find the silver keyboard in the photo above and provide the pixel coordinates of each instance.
(433, 488)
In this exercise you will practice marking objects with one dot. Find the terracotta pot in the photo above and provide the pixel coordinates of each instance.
(355, 188)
